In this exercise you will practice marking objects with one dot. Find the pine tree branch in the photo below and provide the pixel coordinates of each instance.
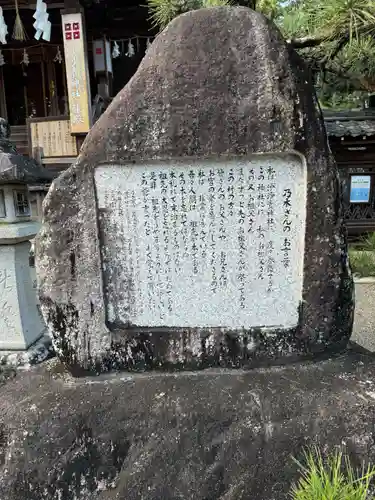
(306, 41)
(341, 40)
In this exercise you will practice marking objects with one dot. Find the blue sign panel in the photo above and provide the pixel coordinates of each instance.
(360, 186)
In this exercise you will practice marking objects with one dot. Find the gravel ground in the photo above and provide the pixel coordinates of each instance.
(6, 373)
(364, 319)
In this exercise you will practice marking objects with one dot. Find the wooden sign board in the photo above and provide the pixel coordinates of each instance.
(53, 138)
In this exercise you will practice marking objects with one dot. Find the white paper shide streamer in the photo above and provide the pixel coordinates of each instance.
(25, 58)
(2, 60)
(116, 50)
(58, 57)
(3, 28)
(133, 46)
(131, 49)
(42, 25)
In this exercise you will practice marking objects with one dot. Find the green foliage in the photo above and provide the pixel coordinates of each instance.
(163, 11)
(368, 242)
(344, 57)
(339, 93)
(270, 8)
(339, 98)
(359, 57)
(295, 21)
(335, 18)
(362, 263)
(362, 256)
(330, 19)
(342, 32)
(331, 479)
(215, 3)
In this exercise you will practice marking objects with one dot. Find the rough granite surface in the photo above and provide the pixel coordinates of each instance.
(207, 435)
(216, 83)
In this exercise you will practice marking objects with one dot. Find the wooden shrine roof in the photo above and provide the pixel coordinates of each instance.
(356, 123)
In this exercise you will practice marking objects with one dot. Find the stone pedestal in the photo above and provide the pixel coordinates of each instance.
(208, 435)
(20, 321)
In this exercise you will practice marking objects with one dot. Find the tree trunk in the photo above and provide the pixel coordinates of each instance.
(247, 3)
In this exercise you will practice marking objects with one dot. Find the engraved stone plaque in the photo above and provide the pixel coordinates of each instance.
(203, 243)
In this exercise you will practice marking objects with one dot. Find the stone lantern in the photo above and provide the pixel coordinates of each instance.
(20, 321)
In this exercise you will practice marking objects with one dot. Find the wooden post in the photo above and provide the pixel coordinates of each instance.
(51, 75)
(66, 92)
(3, 104)
(26, 102)
(44, 88)
(38, 206)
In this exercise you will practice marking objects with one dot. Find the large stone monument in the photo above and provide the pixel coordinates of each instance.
(201, 224)
(20, 321)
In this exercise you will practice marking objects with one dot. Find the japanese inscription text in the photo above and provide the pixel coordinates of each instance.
(203, 244)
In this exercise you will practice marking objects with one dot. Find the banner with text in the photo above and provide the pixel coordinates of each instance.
(77, 73)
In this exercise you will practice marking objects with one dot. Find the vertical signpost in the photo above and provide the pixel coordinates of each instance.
(77, 73)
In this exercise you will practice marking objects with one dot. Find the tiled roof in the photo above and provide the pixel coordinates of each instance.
(359, 123)
(350, 128)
